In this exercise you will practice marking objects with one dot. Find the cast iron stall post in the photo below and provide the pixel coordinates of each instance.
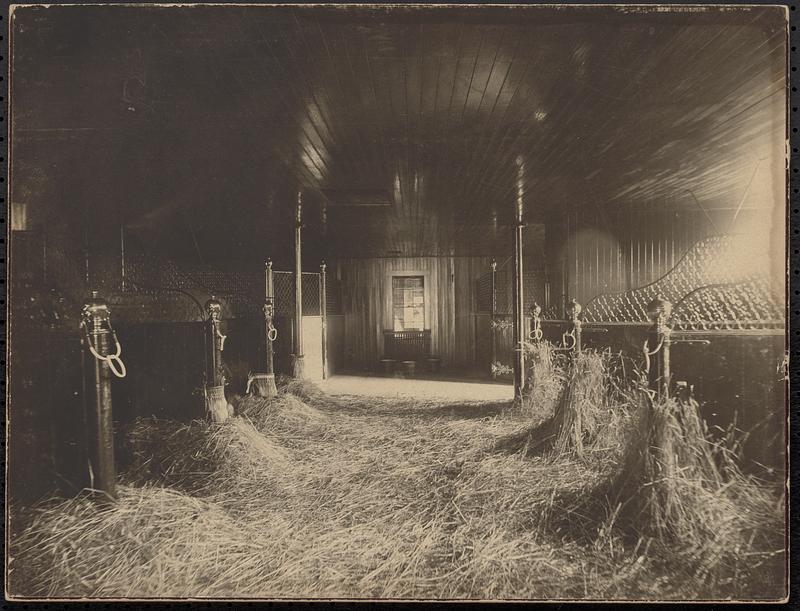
(216, 404)
(263, 384)
(272, 333)
(97, 339)
(657, 347)
(575, 326)
(518, 320)
(298, 368)
(535, 333)
(323, 307)
(519, 355)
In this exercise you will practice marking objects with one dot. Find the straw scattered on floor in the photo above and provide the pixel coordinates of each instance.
(305, 496)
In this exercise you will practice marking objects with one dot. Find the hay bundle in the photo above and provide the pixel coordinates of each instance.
(545, 378)
(580, 408)
(670, 486)
(668, 462)
(591, 407)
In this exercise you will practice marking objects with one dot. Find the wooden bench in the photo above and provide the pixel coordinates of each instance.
(407, 345)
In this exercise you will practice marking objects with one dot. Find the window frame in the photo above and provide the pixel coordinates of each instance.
(388, 310)
(407, 307)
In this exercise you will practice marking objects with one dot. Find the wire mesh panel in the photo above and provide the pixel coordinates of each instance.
(283, 283)
(534, 287)
(285, 292)
(158, 279)
(243, 291)
(744, 306)
(311, 297)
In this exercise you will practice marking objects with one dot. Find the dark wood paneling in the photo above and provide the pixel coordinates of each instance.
(450, 295)
(336, 345)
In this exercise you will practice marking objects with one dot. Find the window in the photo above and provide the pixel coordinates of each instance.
(408, 303)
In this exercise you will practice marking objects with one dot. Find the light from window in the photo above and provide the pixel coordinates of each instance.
(408, 303)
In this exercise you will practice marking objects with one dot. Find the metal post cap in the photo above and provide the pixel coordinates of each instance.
(659, 308)
(96, 308)
(573, 309)
(213, 307)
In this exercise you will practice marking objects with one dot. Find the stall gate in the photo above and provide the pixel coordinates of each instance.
(312, 320)
(494, 306)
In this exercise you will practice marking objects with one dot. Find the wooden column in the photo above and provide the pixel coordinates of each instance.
(97, 339)
(518, 293)
(518, 315)
(298, 365)
(323, 307)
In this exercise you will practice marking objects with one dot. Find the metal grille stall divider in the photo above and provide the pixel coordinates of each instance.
(727, 335)
(284, 288)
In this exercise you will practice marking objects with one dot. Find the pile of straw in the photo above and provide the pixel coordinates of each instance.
(575, 402)
(545, 377)
(284, 416)
(306, 391)
(154, 542)
(582, 406)
(674, 485)
(206, 459)
(361, 499)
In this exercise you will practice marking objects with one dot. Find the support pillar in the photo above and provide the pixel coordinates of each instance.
(298, 359)
(323, 307)
(98, 338)
(216, 404)
(263, 384)
(518, 315)
(657, 347)
(519, 288)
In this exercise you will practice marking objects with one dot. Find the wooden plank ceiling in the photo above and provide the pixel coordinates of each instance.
(216, 115)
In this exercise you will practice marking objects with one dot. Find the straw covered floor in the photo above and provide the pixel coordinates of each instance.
(307, 496)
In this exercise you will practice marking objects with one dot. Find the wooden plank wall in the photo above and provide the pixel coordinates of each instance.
(367, 306)
(335, 343)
